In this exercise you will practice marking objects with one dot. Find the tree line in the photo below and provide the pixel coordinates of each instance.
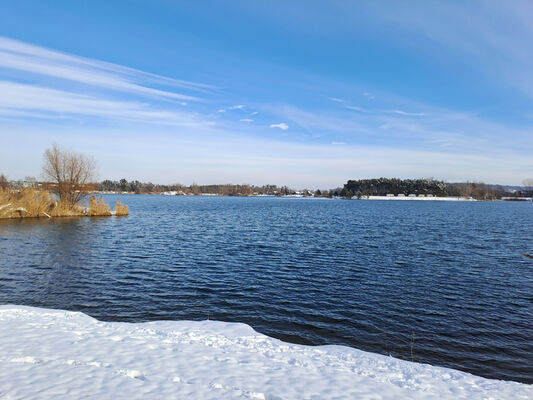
(395, 186)
(429, 186)
(135, 186)
(70, 175)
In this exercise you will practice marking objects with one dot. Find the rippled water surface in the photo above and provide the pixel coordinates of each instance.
(437, 282)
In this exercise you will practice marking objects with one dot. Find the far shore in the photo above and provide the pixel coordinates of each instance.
(391, 198)
(417, 198)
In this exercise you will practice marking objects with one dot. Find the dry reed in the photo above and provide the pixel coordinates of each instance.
(98, 207)
(33, 203)
(121, 210)
(25, 203)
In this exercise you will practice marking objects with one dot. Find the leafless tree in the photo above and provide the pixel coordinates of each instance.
(528, 183)
(69, 172)
(4, 183)
(465, 189)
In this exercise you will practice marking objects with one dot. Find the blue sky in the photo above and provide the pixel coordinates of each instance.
(302, 93)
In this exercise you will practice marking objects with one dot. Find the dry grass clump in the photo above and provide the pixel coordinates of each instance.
(25, 203)
(33, 203)
(121, 210)
(98, 207)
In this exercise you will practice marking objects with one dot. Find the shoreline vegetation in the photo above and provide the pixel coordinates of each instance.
(35, 203)
(68, 180)
(367, 189)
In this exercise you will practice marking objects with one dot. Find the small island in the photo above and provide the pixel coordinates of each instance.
(69, 176)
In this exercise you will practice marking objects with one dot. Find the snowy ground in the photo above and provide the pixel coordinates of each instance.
(416, 198)
(52, 354)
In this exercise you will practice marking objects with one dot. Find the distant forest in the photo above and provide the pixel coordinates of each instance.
(353, 188)
(386, 186)
(226, 189)
(357, 188)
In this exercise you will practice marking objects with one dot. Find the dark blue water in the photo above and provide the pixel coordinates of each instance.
(436, 282)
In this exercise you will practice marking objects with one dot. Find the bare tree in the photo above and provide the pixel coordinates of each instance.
(465, 189)
(528, 183)
(4, 183)
(69, 172)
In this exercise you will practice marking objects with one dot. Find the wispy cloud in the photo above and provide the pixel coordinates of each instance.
(376, 139)
(320, 120)
(237, 107)
(406, 113)
(33, 101)
(438, 128)
(345, 104)
(283, 126)
(360, 109)
(493, 38)
(356, 108)
(20, 56)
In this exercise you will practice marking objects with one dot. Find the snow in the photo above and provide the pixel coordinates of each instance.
(435, 198)
(55, 354)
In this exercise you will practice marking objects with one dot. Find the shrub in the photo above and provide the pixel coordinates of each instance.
(25, 203)
(121, 210)
(40, 203)
(98, 207)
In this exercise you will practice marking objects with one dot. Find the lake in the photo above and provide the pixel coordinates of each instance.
(443, 283)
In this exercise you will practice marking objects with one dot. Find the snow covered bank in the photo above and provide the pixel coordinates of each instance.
(52, 354)
(401, 198)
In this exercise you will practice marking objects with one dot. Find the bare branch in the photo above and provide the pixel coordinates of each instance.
(70, 173)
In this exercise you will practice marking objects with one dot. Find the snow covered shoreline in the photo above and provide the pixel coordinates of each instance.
(403, 198)
(59, 354)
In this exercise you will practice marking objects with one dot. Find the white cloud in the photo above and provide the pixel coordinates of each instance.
(356, 108)
(237, 107)
(445, 143)
(320, 120)
(400, 112)
(282, 126)
(246, 120)
(20, 56)
(348, 106)
(239, 158)
(20, 99)
(468, 31)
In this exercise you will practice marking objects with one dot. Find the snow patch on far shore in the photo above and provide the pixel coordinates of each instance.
(66, 355)
(416, 198)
